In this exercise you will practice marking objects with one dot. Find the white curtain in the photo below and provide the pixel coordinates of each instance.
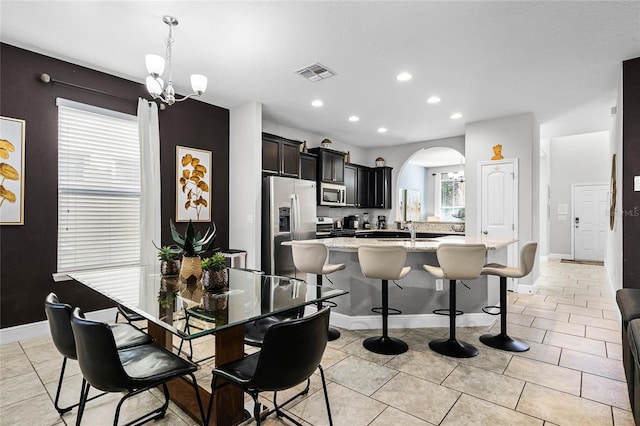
(437, 189)
(149, 132)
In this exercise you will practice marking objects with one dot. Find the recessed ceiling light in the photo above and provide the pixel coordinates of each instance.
(382, 129)
(354, 118)
(433, 100)
(317, 103)
(404, 76)
(456, 115)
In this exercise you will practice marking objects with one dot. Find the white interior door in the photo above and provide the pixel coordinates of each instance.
(499, 204)
(590, 221)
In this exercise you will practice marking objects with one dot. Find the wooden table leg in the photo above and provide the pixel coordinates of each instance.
(229, 400)
(228, 408)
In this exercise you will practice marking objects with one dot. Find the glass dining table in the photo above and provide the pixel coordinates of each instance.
(184, 309)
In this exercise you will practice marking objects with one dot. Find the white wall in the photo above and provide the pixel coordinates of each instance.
(594, 167)
(545, 198)
(415, 177)
(245, 180)
(519, 136)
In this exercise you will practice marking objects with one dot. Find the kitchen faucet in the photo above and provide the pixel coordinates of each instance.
(412, 231)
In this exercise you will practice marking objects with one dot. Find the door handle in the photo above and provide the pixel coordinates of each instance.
(485, 232)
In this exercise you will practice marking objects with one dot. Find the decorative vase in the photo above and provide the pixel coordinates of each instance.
(214, 280)
(214, 302)
(191, 269)
(170, 267)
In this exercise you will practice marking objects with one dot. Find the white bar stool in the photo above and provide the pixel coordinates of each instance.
(457, 262)
(311, 258)
(502, 340)
(384, 263)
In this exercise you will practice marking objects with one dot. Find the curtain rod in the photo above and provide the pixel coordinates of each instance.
(47, 79)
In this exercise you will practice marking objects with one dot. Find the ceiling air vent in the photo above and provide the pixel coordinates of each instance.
(315, 72)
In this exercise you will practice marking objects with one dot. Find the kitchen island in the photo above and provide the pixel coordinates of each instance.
(416, 294)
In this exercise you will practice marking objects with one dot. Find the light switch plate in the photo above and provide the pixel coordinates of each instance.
(636, 183)
(439, 285)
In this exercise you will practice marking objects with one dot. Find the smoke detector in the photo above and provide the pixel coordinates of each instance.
(315, 72)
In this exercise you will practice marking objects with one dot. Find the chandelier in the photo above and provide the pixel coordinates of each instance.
(155, 68)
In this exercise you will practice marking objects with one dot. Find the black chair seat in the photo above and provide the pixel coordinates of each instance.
(149, 365)
(127, 336)
(254, 331)
(240, 371)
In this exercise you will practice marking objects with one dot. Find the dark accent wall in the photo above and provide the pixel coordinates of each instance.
(28, 252)
(630, 168)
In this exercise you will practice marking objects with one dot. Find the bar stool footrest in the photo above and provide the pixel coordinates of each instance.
(445, 311)
(504, 342)
(453, 347)
(392, 311)
(486, 310)
(385, 345)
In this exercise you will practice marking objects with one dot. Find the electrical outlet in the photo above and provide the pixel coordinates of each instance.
(439, 285)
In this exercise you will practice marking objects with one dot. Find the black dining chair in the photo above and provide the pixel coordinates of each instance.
(133, 370)
(291, 351)
(59, 317)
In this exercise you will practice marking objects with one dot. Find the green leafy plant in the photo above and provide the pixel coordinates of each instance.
(192, 244)
(169, 253)
(214, 263)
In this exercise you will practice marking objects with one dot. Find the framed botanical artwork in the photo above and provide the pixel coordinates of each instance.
(193, 185)
(12, 171)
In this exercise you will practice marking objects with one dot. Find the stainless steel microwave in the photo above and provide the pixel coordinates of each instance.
(332, 194)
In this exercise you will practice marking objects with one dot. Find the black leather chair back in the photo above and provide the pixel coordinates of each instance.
(97, 354)
(59, 316)
(291, 352)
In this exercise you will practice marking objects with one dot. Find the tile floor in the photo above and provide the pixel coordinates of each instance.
(572, 375)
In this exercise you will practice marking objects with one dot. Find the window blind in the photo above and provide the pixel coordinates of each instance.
(98, 188)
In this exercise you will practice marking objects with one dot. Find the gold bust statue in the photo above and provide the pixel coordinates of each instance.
(497, 152)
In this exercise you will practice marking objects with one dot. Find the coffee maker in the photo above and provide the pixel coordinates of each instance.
(382, 222)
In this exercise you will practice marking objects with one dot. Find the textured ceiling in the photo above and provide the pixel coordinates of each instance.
(559, 60)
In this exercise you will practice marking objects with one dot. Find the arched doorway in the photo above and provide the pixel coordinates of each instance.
(431, 186)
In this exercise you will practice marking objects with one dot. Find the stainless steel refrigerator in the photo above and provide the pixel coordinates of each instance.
(288, 213)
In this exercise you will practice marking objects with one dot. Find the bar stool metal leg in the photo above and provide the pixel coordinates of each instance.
(502, 340)
(333, 333)
(452, 346)
(385, 344)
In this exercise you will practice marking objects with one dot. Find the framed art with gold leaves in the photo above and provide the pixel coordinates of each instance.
(12, 171)
(193, 185)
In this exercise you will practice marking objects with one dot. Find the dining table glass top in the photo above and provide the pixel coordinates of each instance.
(189, 311)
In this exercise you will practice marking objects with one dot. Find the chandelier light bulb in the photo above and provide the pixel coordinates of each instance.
(155, 86)
(198, 83)
(155, 65)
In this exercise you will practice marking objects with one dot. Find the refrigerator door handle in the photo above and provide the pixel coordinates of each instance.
(293, 217)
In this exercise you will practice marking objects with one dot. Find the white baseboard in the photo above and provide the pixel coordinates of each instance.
(368, 322)
(41, 328)
(560, 256)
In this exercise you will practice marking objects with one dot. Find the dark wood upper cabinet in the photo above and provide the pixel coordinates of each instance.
(380, 187)
(351, 184)
(330, 165)
(280, 156)
(308, 166)
(356, 180)
(362, 187)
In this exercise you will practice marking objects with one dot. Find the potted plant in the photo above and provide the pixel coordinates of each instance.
(214, 272)
(169, 259)
(191, 245)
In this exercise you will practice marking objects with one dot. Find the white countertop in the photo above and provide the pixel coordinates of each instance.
(420, 245)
